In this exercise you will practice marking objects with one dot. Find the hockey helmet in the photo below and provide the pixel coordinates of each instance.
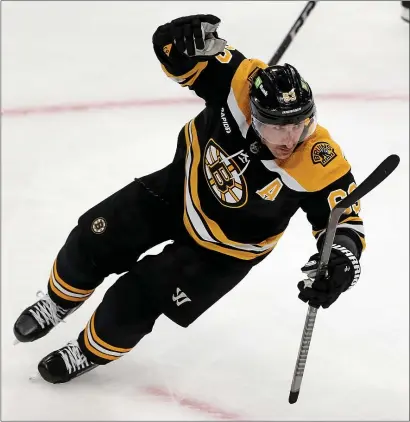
(280, 96)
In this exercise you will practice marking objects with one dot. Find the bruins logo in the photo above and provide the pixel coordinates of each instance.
(323, 153)
(223, 176)
(99, 225)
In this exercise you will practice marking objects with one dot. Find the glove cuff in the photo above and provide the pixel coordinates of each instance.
(353, 261)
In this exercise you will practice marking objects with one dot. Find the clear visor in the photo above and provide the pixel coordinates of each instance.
(287, 135)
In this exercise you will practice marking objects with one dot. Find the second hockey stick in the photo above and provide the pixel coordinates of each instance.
(292, 33)
(373, 180)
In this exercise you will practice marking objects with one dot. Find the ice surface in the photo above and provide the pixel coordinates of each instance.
(236, 362)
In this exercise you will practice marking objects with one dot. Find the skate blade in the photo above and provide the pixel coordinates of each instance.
(34, 377)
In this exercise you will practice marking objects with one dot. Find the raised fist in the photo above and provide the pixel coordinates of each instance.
(194, 36)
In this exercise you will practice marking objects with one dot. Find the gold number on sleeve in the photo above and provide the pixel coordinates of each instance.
(226, 55)
(339, 194)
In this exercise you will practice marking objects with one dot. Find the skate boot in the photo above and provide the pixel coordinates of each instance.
(64, 364)
(38, 319)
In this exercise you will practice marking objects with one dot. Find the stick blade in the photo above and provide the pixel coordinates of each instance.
(293, 397)
(375, 178)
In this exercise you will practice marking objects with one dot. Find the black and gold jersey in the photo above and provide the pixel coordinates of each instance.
(238, 198)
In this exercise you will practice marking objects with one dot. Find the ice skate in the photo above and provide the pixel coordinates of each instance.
(64, 364)
(38, 319)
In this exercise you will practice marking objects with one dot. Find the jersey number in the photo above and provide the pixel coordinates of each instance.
(226, 55)
(339, 194)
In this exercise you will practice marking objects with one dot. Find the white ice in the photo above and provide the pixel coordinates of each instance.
(237, 360)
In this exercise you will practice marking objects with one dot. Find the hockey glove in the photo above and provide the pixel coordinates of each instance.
(194, 36)
(343, 272)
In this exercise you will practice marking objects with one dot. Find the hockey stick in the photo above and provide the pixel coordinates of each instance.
(292, 32)
(373, 180)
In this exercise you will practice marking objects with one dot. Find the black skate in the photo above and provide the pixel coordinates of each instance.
(38, 319)
(65, 364)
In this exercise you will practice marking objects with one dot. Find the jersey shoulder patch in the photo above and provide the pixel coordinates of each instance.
(317, 163)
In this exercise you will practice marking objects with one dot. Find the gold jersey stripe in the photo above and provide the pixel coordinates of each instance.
(95, 351)
(193, 73)
(360, 235)
(218, 248)
(102, 342)
(64, 296)
(67, 286)
(363, 241)
(315, 232)
(350, 219)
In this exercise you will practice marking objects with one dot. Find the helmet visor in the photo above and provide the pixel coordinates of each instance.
(288, 135)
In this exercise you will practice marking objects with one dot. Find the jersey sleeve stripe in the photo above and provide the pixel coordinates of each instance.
(188, 78)
(237, 114)
(355, 224)
(116, 351)
(57, 277)
(287, 179)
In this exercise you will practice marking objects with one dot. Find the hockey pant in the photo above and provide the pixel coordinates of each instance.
(182, 281)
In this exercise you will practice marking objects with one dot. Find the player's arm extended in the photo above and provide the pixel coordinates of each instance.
(192, 54)
(317, 205)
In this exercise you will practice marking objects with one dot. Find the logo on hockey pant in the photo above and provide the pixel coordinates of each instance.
(323, 153)
(99, 225)
(180, 298)
(224, 176)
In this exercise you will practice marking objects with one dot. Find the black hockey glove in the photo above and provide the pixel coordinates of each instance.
(194, 36)
(343, 272)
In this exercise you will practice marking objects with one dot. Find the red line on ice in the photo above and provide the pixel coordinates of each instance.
(194, 404)
(98, 105)
(161, 102)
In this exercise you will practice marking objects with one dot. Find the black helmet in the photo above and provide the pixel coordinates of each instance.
(279, 96)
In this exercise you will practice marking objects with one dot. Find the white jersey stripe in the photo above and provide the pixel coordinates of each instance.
(287, 179)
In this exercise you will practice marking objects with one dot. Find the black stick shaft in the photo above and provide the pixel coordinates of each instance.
(373, 180)
(292, 33)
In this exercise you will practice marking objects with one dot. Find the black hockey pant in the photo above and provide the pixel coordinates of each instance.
(182, 281)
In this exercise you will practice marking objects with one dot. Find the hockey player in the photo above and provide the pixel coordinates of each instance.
(241, 170)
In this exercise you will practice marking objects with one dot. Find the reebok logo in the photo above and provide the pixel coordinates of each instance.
(180, 298)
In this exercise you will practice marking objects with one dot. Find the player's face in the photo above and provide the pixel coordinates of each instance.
(280, 139)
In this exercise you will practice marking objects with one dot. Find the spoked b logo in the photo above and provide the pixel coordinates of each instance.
(99, 225)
